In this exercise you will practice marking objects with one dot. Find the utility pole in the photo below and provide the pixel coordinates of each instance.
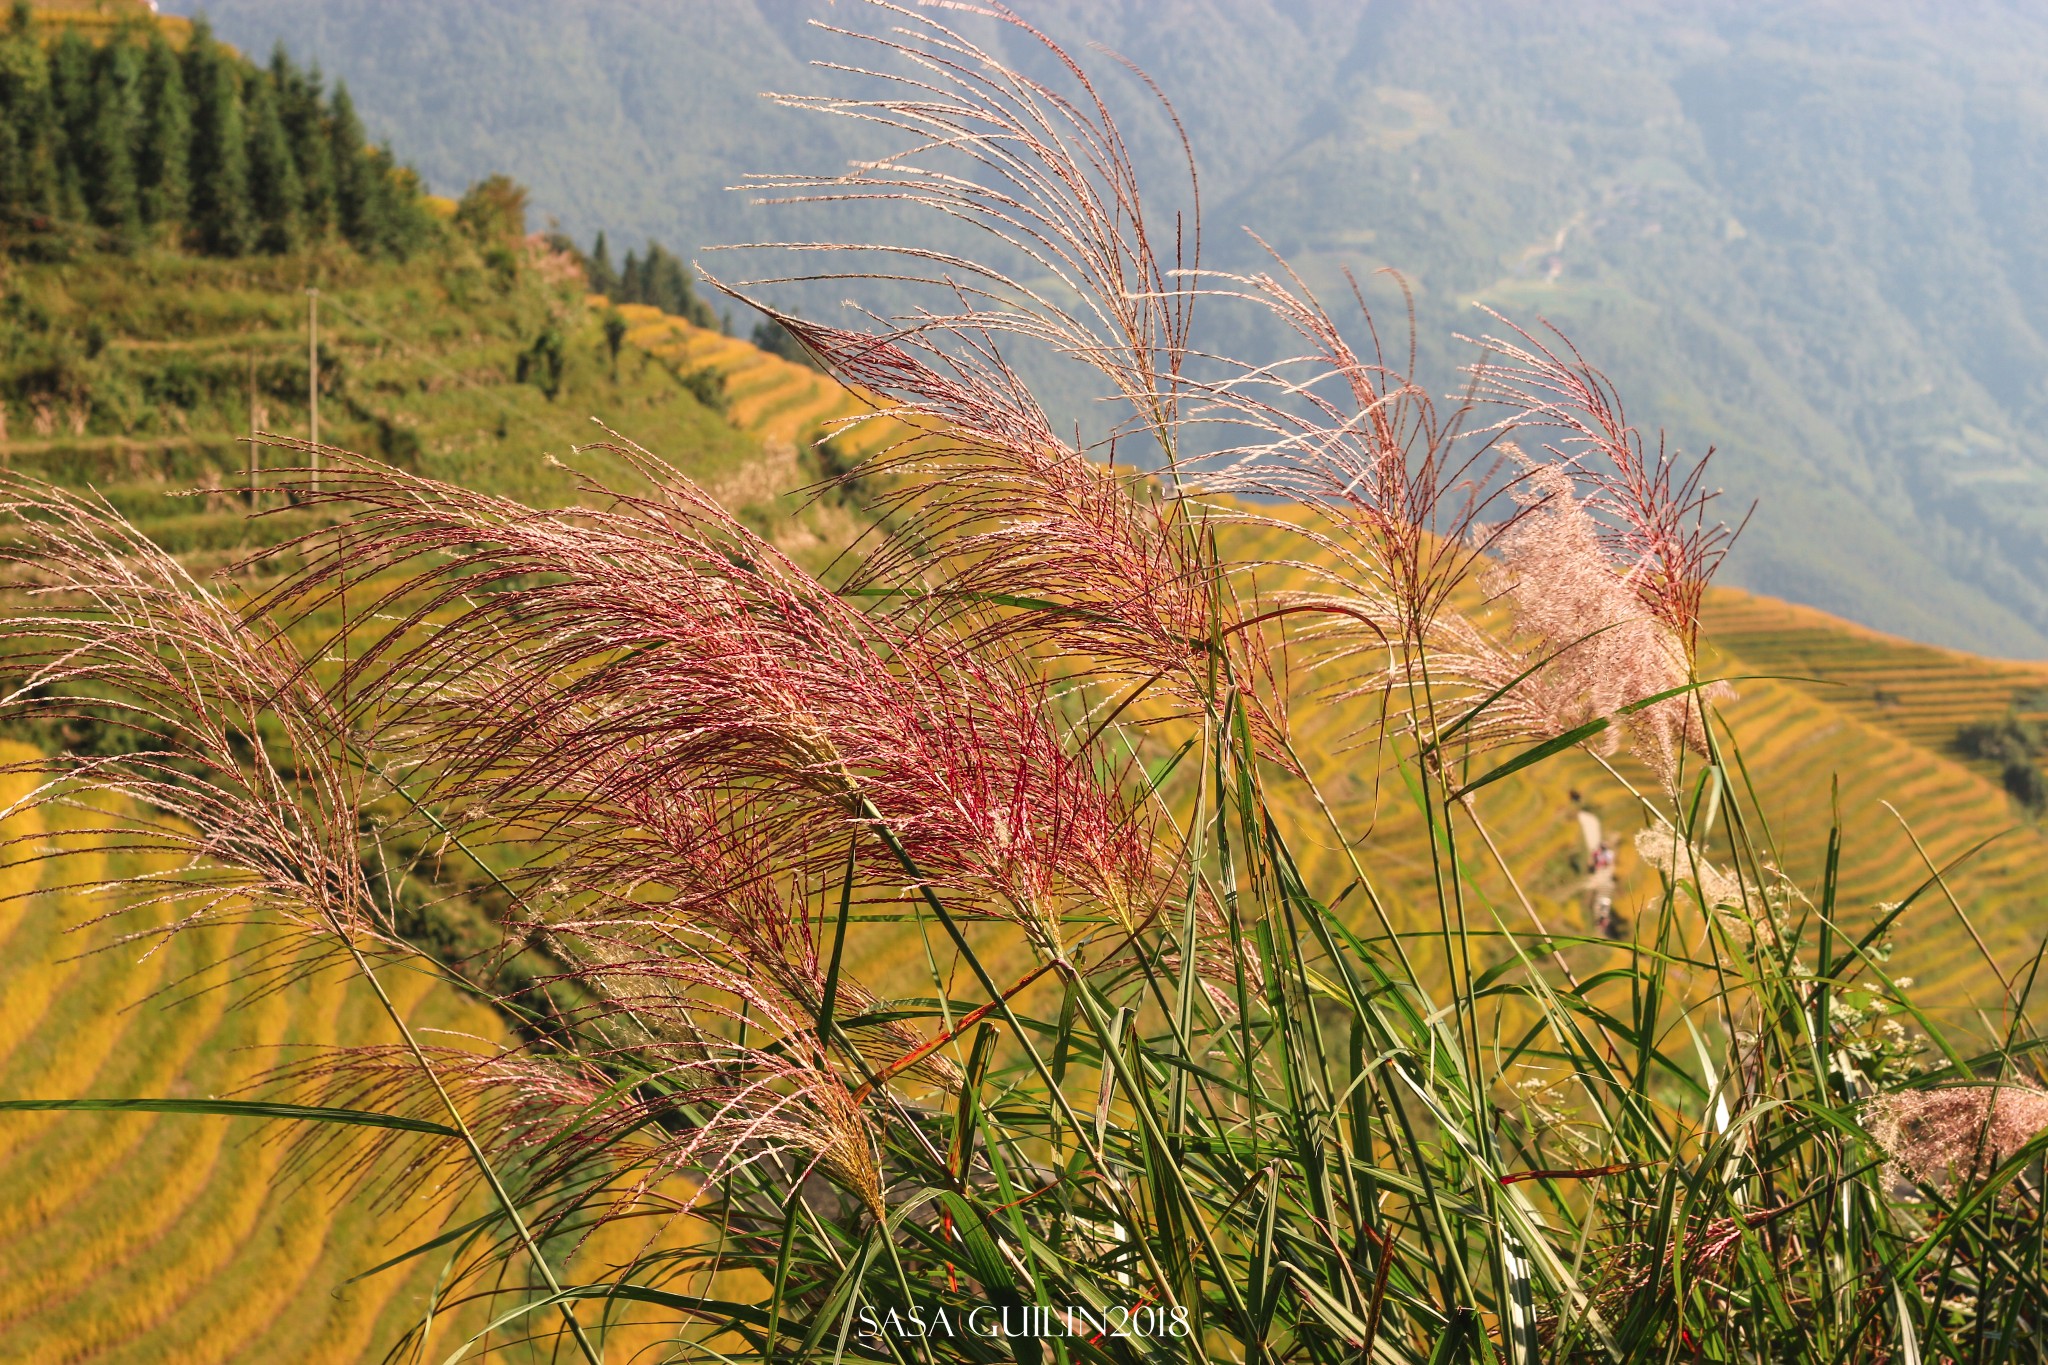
(253, 468)
(313, 375)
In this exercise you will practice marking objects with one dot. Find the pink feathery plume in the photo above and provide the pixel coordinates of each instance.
(1651, 509)
(1392, 488)
(1356, 439)
(994, 504)
(710, 1101)
(242, 786)
(991, 507)
(1603, 567)
(702, 1111)
(1025, 537)
(1595, 644)
(671, 875)
(587, 663)
(1044, 173)
(1957, 1132)
(386, 1079)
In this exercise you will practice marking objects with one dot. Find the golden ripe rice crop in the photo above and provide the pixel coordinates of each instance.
(173, 1238)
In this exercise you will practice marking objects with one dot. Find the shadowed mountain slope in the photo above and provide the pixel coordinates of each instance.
(1810, 233)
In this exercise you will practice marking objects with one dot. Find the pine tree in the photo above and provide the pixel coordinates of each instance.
(108, 154)
(162, 159)
(603, 279)
(378, 204)
(12, 170)
(664, 281)
(630, 287)
(44, 130)
(27, 167)
(219, 160)
(305, 125)
(218, 154)
(71, 112)
(403, 225)
(668, 284)
(274, 189)
(355, 179)
(664, 288)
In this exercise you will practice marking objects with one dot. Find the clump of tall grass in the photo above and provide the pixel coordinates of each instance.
(1170, 1089)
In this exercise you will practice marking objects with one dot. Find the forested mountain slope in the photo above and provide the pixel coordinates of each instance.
(1809, 233)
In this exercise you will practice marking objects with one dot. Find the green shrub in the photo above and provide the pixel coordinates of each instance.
(2024, 780)
(542, 362)
(2001, 741)
(706, 385)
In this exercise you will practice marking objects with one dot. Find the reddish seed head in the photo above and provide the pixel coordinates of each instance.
(1956, 1133)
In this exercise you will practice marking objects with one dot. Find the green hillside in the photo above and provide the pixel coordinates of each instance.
(1809, 234)
(138, 374)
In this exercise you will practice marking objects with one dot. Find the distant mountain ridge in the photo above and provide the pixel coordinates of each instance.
(1813, 234)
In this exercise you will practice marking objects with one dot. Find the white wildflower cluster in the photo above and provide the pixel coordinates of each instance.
(1748, 913)
(1871, 1049)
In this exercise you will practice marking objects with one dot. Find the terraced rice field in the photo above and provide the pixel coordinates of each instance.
(1920, 692)
(1832, 721)
(167, 1238)
(171, 1238)
(769, 398)
(160, 1237)
(1880, 715)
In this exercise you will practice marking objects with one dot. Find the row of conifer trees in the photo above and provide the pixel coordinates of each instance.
(198, 148)
(659, 278)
